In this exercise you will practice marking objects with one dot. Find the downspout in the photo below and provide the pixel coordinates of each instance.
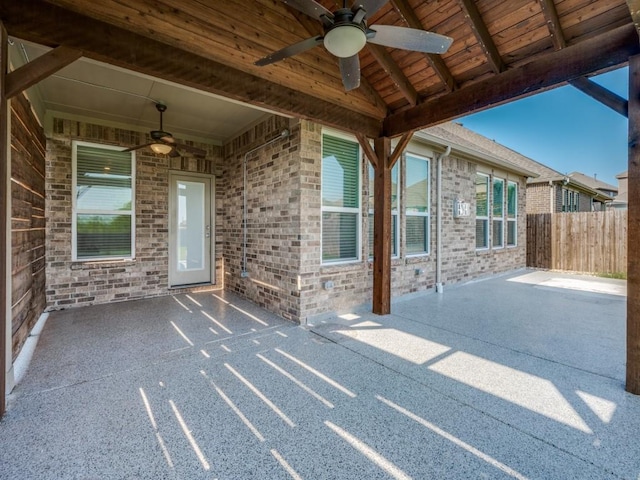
(283, 134)
(446, 153)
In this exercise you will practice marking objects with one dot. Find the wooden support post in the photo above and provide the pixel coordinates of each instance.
(633, 232)
(382, 228)
(4, 202)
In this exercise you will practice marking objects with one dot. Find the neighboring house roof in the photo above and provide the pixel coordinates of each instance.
(472, 144)
(593, 182)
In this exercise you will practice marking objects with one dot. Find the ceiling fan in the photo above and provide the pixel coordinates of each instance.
(346, 33)
(163, 142)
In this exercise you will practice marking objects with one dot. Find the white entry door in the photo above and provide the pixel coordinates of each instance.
(190, 229)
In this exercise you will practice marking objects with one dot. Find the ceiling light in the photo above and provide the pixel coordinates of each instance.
(161, 148)
(345, 41)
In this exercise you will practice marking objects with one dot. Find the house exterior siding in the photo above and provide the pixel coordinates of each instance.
(74, 283)
(539, 198)
(28, 145)
(282, 191)
(273, 231)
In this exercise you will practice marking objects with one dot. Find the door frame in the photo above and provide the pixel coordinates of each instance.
(172, 232)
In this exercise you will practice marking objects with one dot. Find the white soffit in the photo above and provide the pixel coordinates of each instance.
(89, 89)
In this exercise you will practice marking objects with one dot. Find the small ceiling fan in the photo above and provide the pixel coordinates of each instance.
(346, 33)
(163, 142)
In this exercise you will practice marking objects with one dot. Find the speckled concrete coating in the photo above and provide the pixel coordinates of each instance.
(513, 377)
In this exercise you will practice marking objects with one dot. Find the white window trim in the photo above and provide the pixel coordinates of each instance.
(501, 218)
(358, 211)
(485, 218)
(394, 213)
(513, 219)
(426, 214)
(74, 207)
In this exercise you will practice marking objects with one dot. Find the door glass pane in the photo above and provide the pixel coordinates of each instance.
(191, 226)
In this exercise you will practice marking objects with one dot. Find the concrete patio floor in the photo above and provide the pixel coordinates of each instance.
(520, 376)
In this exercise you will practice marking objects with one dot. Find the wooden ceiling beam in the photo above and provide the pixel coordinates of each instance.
(595, 54)
(553, 23)
(395, 72)
(474, 19)
(39, 68)
(40, 22)
(602, 94)
(437, 63)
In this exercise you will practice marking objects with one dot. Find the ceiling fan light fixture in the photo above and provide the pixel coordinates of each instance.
(161, 148)
(345, 41)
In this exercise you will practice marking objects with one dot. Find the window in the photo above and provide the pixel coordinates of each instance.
(340, 199)
(497, 232)
(394, 210)
(482, 211)
(512, 214)
(569, 200)
(103, 197)
(417, 205)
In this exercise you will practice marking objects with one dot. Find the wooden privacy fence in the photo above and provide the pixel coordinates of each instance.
(591, 242)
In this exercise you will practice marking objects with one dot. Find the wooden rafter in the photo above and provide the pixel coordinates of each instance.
(437, 63)
(592, 55)
(53, 26)
(482, 34)
(397, 75)
(553, 23)
(602, 94)
(39, 69)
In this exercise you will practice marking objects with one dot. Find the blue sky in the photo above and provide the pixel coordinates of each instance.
(563, 128)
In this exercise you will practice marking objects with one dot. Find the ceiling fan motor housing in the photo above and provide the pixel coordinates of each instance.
(345, 38)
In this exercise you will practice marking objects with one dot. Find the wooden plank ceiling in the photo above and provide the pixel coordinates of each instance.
(501, 50)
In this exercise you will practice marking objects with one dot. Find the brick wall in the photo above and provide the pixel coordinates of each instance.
(352, 282)
(72, 283)
(538, 198)
(273, 176)
(283, 271)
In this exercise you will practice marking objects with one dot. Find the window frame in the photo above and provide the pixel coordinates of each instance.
(426, 215)
(494, 218)
(330, 209)
(74, 204)
(483, 218)
(395, 214)
(512, 219)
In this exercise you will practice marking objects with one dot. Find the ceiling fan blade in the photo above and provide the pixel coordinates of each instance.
(137, 147)
(410, 39)
(289, 51)
(350, 71)
(189, 148)
(174, 153)
(309, 7)
(370, 6)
